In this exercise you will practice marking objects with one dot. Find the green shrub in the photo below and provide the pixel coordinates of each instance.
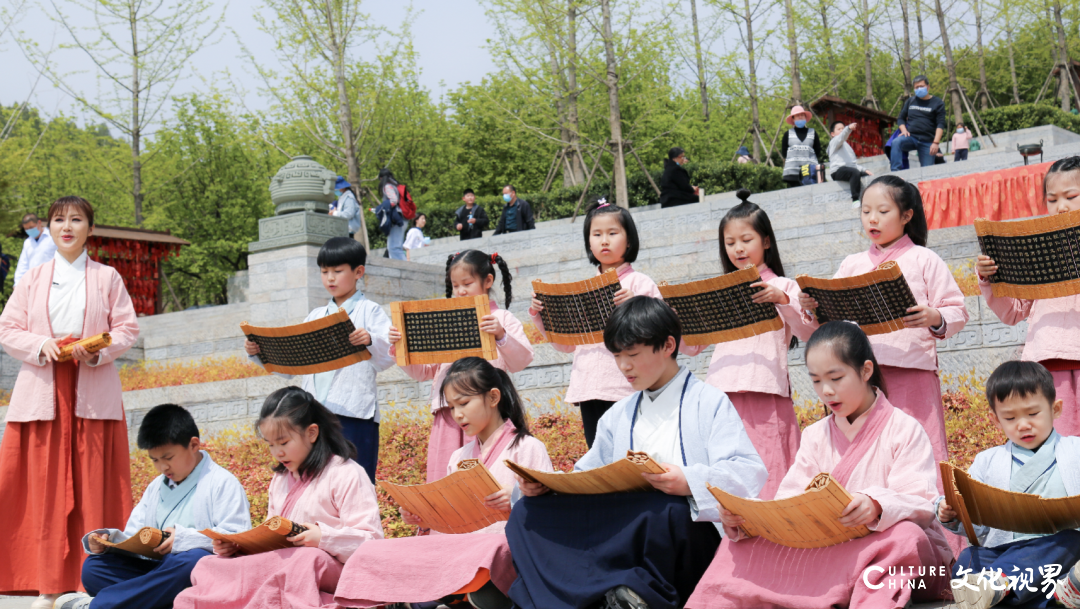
(1022, 116)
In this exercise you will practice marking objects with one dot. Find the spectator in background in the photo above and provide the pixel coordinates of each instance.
(38, 247)
(415, 239)
(347, 207)
(675, 188)
(842, 165)
(743, 156)
(472, 220)
(516, 214)
(921, 123)
(801, 149)
(960, 141)
(391, 220)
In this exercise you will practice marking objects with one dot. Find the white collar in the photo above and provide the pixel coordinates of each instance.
(79, 265)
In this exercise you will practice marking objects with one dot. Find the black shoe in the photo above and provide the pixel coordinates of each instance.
(623, 598)
(490, 597)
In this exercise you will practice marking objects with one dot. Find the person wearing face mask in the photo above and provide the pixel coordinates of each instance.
(675, 188)
(921, 123)
(960, 143)
(37, 249)
(800, 147)
(347, 206)
(516, 215)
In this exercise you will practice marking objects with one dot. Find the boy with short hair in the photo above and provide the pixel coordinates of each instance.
(192, 494)
(349, 392)
(472, 220)
(1036, 460)
(638, 550)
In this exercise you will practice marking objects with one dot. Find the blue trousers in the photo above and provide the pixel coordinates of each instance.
(364, 434)
(120, 581)
(395, 242)
(1062, 548)
(904, 144)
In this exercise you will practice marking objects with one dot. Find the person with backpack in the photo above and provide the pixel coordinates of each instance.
(396, 208)
(516, 214)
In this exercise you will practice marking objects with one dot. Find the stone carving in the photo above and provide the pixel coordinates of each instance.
(303, 185)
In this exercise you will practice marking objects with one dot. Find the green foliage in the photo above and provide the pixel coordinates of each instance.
(1022, 116)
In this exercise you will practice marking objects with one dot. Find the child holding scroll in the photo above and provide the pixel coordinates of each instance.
(192, 494)
(1053, 329)
(611, 242)
(469, 273)
(350, 392)
(893, 219)
(488, 409)
(753, 372)
(1036, 460)
(638, 550)
(316, 484)
(881, 456)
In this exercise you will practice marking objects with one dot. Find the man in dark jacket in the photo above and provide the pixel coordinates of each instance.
(516, 214)
(675, 188)
(921, 123)
(472, 220)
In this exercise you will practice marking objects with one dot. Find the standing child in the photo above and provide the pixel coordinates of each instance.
(471, 218)
(893, 218)
(960, 143)
(469, 273)
(192, 494)
(1038, 461)
(611, 242)
(350, 392)
(1053, 332)
(753, 371)
(317, 484)
(884, 459)
(487, 408)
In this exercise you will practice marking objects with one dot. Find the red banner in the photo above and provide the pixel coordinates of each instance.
(995, 195)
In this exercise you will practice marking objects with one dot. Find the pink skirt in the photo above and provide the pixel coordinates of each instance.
(879, 571)
(293, 578)
(446, 437)
(918, 393)
(773, 428)
(1067, 383)
(420, 569)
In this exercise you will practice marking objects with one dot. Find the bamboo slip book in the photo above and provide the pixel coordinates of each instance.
(442, 330)
(576, 313)
(92, 344)
(809, 520)
(454, 504)
(141, 543)
(621, 476)
(267, 537)
(720, 309)
(320, 345)
(976, 503)
(1037, 258)
(877, 301)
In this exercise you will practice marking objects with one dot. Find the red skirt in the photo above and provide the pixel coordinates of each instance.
(59, 480)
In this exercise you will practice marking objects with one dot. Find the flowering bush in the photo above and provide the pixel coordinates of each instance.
(5, 397)
(533, 333)
(966, 278)
(147, 374)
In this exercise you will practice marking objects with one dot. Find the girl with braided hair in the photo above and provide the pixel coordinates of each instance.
(469, 273)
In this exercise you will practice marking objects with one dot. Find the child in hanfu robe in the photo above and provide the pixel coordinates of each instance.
(638, 550)
(884, 458)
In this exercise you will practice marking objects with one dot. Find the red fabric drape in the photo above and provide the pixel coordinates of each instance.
(137, 262)
(995, 195)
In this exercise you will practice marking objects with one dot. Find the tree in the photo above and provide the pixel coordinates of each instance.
(950, 64)
(611, 64)
(141, 49)
(905, 56)
(793, 55)
(745, 15)
(825, 6)
(868, 53)
(702, 87)
(982, 98)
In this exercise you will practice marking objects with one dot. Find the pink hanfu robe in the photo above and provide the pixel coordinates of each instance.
(884, 454)
(419, 569)
(341, 501)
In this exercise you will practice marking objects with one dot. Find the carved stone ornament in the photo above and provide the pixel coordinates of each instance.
(302, 184)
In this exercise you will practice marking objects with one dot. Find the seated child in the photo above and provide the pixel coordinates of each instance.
(316, 483)
(638, 550)
(192, 494)
(883, 457)
(350, 392)
(486, 406)
(1036, 460)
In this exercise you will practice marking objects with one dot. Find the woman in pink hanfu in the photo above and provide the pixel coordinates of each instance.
(317, 484)
(884, 459)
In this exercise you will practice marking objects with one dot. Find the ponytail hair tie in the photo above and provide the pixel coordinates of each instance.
(602, 202)
(494, 255)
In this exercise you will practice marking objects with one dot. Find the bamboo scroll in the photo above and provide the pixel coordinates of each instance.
(1037, 258)
(808, 520)
(442, 330)
(267, 537)
(454, 504)
(720, 309)
(92, 344)
(955, 501)
(320, 345)
(621, 476)
(998, 508)
(877, 301)
(141, 543)
(576, 313)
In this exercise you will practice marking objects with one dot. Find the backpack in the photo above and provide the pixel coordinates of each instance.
(408, 208)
